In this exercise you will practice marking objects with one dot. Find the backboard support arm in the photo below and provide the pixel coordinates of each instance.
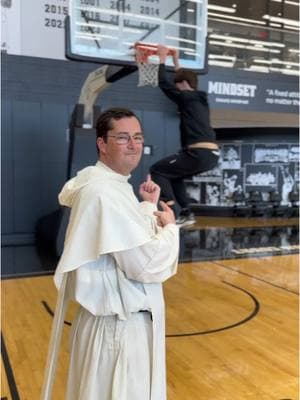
(96, 82)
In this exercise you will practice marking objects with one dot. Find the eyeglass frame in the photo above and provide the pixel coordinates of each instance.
(128, 137)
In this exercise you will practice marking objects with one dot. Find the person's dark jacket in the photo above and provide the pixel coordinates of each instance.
(194, 111)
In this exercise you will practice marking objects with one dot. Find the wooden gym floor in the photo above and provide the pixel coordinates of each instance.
(232, 323)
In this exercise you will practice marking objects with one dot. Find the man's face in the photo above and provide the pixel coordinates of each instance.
(183, 85)
(122, 158)
(179, 85)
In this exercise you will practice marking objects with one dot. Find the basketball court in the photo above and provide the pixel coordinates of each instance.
(232, 323)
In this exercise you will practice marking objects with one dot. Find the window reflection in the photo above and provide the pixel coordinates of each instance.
(220, 243)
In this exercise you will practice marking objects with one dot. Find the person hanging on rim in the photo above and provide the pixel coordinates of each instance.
(199, 152)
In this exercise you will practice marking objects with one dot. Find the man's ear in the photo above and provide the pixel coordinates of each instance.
(101, 145)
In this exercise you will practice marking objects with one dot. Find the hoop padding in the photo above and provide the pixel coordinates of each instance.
(148, 71)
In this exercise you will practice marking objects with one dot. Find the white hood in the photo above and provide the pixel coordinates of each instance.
(85, 177)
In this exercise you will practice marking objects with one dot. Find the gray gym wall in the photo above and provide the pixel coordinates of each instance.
(38, 97)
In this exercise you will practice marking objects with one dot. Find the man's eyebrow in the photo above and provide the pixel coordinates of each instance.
(128, 133)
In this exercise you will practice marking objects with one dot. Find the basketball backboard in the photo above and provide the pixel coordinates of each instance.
(105, 30)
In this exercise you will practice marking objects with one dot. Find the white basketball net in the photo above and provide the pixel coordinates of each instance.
(148, 74)
(147, 67)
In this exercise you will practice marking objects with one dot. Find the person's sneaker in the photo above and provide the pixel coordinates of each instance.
(185, 220)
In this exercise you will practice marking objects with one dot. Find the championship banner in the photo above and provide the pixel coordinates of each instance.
(34, 28)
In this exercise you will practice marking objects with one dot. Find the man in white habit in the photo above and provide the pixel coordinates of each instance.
(117, 253)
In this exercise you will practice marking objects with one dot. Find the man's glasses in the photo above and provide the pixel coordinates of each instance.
(124, 138)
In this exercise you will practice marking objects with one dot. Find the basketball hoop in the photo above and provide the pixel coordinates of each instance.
(147, 65)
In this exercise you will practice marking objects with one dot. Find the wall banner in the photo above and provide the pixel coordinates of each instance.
(251, 91)
(34, 28)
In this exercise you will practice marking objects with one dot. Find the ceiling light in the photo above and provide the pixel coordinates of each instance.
(275, 25)
(239, 46)
(219, 18)
(292, 28)
(261, 61)
(285, 71)
(257, 68)
(242, 40)
(294, 51)
(221, 63)
(287, 63)
(221, 57)
(220, 8)
(261, 68)
(285, 21)
(275, 61)
(253, 21)
(292, 3)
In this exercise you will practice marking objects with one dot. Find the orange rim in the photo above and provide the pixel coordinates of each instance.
(144, 50)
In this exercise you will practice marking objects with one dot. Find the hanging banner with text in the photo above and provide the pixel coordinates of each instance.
(34, 27)
(251, 91)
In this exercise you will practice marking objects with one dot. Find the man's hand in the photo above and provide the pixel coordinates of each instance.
(175, 56)
(166, 216)
(162, 52)
(149, 191)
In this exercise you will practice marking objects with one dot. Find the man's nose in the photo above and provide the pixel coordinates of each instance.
(131, 142)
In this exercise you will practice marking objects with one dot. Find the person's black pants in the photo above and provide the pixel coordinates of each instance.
(170, 172)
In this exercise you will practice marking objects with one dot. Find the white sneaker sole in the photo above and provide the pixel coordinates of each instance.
(186, 223)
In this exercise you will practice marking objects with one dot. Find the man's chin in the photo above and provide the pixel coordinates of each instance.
(134, 158)
(132, 163)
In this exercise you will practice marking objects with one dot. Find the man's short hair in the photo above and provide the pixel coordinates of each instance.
(105, 120)
(183, 74)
